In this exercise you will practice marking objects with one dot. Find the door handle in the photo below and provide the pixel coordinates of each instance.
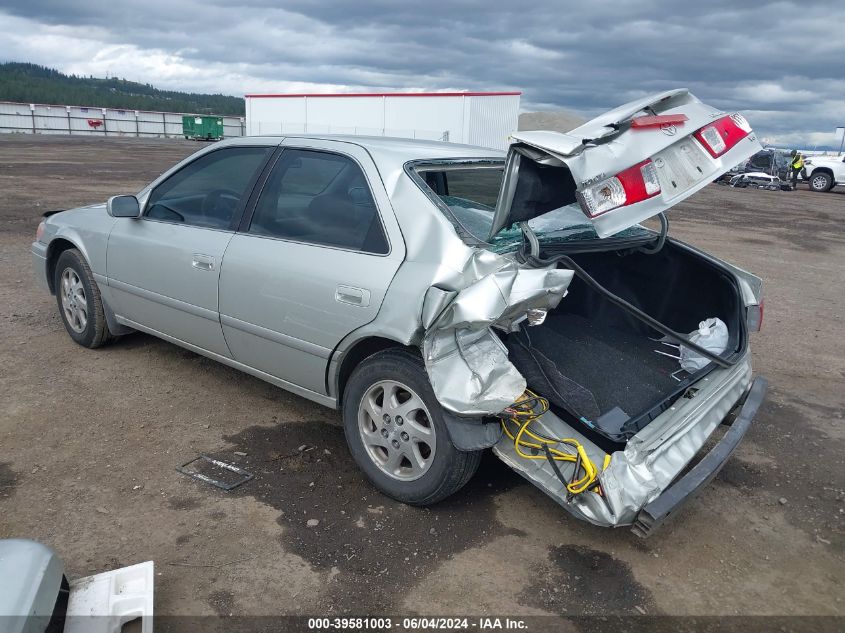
(202, 262)
(353, 296)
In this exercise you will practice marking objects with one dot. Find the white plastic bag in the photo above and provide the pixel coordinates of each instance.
(712, 335)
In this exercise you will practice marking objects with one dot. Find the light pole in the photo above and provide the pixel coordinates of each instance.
(842, 142)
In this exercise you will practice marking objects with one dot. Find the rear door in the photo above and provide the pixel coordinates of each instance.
(625, 166)
(163, 267)
(311, 263)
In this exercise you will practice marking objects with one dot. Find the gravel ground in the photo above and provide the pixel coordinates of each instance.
(89, 440)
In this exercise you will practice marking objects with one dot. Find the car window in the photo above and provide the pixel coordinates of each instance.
(311, 175)
(320, 198)
(207, 191)
(469, 193)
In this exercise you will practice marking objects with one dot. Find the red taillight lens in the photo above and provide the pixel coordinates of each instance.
(632, 185)
(754, 317)
(39, 231)
(723, 134)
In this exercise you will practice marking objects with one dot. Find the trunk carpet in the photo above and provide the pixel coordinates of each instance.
(619, 368)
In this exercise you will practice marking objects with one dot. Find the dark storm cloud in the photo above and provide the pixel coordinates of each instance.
(779, 62)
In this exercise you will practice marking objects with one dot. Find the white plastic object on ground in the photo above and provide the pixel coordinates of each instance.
(712, 335)
(103, 603)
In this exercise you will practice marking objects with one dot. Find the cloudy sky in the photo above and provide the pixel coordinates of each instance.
(781, 63)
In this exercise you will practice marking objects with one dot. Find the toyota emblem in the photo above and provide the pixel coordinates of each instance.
(669, 129)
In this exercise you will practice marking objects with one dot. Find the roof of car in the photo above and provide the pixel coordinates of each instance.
(388, 150)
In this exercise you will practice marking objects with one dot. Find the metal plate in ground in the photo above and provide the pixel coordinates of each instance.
(205, 468)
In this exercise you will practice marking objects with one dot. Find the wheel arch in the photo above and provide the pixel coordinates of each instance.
(56, 247)
(467, 434)
(59, 245)
(826, 170)
(355, 354)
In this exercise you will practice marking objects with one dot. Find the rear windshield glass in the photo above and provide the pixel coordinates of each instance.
(470, 193)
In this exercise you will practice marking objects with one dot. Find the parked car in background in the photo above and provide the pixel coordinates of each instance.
(825, 172)
(725, 179)
(446, 298)
(768, 162)
(758, 180)
(774, 162)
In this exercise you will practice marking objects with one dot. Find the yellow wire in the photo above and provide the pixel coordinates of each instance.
(523, 418)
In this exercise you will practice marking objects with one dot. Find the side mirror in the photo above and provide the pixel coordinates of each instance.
(124, 207)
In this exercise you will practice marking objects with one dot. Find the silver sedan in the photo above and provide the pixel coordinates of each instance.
(450, 299)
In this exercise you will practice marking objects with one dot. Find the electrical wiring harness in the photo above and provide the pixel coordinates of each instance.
(515, 422)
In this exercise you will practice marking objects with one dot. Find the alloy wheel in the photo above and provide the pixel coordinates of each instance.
(74, 302)
(397, 430)
(819, 182)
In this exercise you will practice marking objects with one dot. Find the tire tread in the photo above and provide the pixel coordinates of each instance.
(96, 315)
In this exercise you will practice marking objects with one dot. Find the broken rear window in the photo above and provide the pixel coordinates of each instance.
(469, 192)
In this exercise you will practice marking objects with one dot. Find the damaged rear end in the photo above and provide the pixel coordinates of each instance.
(609, 353)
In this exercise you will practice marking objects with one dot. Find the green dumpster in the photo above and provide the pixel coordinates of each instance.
(202, 128)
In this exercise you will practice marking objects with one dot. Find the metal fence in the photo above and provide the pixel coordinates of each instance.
(35, 118)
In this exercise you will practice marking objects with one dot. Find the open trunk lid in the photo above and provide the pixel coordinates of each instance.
(624, 166)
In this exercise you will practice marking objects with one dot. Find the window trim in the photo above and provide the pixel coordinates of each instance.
(249, 211)
(270, 151)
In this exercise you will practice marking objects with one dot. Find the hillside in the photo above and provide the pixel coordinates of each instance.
(559, 121)
(30, 83)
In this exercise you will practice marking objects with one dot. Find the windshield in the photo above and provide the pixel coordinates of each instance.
(470, 193)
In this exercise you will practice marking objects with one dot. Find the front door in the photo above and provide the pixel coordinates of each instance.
(314, 263)
(163, 268)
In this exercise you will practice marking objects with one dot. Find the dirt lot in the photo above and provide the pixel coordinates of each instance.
(89, 441)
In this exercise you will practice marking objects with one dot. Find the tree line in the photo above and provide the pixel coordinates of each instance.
(31, 83)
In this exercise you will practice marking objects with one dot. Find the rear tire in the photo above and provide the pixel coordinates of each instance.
(821, 182)
(79, 300)
(396, 431)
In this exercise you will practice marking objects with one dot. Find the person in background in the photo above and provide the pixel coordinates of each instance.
(796, 165)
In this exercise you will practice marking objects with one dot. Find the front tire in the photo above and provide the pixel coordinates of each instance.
(79, 300)
(821, 182)
(397, 434)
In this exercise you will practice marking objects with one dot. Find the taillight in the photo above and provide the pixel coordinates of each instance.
(754, 317)
(723, 134)
(634, 184)
(40, 231)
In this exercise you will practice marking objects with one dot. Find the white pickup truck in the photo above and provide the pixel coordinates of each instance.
(825, 172)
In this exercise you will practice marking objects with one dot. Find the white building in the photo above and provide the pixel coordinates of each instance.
(477, 118)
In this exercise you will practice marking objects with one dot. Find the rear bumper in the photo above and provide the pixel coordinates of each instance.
(686, 487)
